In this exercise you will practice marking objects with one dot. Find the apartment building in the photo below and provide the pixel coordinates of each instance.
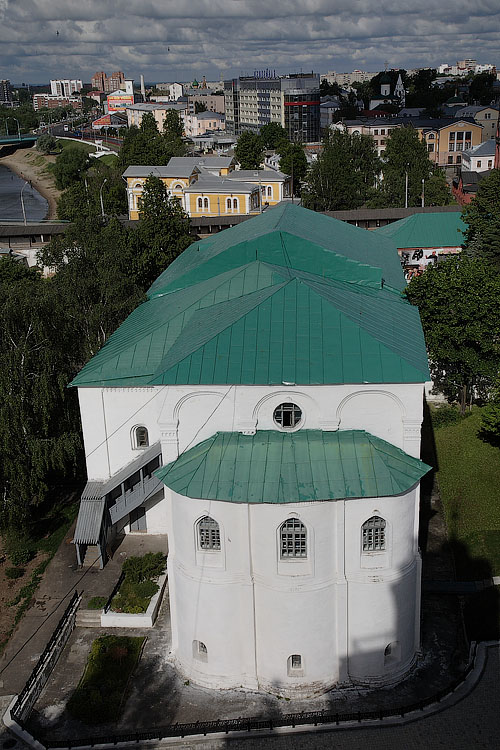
(5, 91)
(65, 86)
(135, 112)
(293, 101)
(212, 101)
(102, 82)
(47, 101)
(485, 116)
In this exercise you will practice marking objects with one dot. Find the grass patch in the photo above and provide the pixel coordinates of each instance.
(110, 160)
(101, 693)
(73, 143)
(469, 482)
(97, 602)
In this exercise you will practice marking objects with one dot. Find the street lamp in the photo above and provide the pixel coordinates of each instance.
(22, 202)
(423, 192)
(100, 197)
(406, 186)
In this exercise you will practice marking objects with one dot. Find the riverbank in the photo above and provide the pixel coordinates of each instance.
(30, 165)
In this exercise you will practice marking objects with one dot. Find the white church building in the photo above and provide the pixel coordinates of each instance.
(263, 409)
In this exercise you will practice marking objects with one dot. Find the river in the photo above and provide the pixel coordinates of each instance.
(35, 205)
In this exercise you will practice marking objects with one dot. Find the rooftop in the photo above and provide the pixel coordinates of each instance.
(304, 466)
(287, 296)
(426, 230)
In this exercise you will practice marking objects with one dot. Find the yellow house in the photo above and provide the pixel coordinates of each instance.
(445, 144)
(204, 186)
(221, 196)
(274, 185)
(175, 180)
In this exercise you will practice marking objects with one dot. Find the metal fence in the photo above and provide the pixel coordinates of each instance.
(313, 718)
(39, 676)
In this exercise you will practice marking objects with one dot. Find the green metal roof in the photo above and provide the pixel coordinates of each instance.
(426, 230)
(270, 306)
(303, 466)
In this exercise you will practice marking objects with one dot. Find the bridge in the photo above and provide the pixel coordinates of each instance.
(9, 140)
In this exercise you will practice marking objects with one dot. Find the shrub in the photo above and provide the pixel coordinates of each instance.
(133, 598)
(446, 414)
(46, 143)
(14, 572)
(19, 548)
(97, 602)
(150, 565)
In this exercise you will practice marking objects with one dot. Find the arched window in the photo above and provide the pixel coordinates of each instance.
(235, 203)
(200, 203)
(205, 202)
(228, 204)
(269, 191)
(177, 187)
(294, 665)
(200, 651)
(287, 415)
(293, 539)
(141, 437)
(373, 534)
(208, 534)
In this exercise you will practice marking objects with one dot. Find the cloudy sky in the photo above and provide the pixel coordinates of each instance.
(169, 40)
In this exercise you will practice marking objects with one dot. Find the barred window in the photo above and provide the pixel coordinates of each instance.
(373, 534)
(141, 437)
(287, 415)
(293, 539)
(208, 533)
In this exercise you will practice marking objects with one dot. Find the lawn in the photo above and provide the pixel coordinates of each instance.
(101, 692)
(74, 143)
(469, 483)
(110, 160)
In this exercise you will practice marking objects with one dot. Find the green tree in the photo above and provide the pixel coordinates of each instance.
(490, 415)
(70, 166)
(83, 197)
(46, 143)
(344, 174)
(163, 232)
(406, 154)
(482, 216)
(172, 134)
(293, 162)
(94, 279)
(459, 305)
(199, 107)
(249, 150)
(39, 429)
(481, 89)
(273, 135)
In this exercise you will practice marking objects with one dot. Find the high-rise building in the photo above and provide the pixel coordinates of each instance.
(5, 91)
(65, 86)
(98, 80)
(291, 100)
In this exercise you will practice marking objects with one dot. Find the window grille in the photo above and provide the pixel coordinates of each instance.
(141, 437)
(296, 661)
(373, 532)
(208, 533)
(293, 539)
(287, 415)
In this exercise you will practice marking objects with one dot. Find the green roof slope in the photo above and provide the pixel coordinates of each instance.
(426, 230)
(303, 466)
(282, 235)
(306, 314)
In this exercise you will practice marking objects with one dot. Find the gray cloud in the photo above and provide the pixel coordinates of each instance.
(171, 39)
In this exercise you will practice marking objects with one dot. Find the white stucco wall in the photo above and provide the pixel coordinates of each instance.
(182, 416)
(338, 609)
(253, 611)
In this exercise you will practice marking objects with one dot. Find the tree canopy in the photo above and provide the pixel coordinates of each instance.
(249, 150)
(146, 145)
(405, 154)
(459, 305)
(344, 174)
(273, 135)
(293, 162)
(483, 218)
(69, 166)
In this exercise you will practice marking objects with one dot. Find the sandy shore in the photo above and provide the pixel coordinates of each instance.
(27, 164)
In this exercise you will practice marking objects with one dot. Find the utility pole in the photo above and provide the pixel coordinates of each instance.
(406, 186)
(423, 192)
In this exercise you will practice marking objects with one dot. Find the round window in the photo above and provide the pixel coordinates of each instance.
(287, 415)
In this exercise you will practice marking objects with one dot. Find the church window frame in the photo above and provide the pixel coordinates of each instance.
(374, 535)
(200, 651)
(208, 534)
(140, 437)
(288, 416)
(295, 665)
(293, 540)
